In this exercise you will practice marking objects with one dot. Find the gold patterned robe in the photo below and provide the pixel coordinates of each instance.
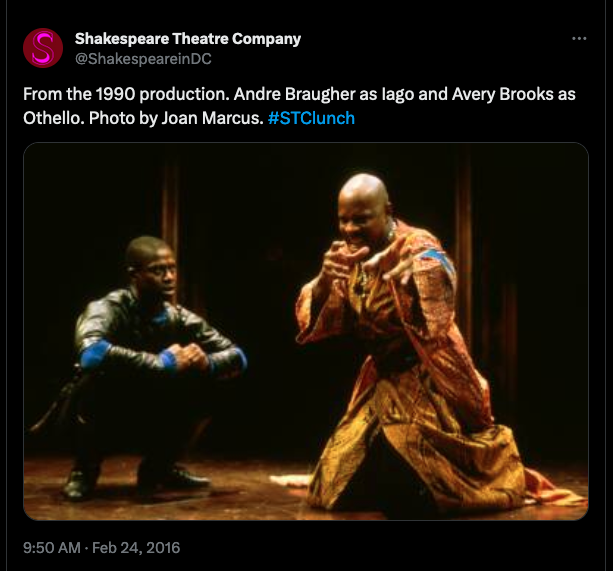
(418, 387)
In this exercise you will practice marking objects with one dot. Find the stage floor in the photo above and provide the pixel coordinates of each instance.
(241, 490)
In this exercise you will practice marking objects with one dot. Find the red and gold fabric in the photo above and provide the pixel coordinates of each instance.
(418, 387)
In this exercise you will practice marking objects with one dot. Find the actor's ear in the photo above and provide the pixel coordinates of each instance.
(389, 209)
(131, 271)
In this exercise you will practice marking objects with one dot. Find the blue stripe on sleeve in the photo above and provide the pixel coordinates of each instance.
(243, 357)
(169, 361)
(161, 317)
(440, 257)
(233, 372)
(93, 356)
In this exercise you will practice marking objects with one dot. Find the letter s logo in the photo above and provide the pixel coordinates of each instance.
(43, 47)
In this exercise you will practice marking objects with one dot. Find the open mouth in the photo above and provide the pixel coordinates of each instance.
(355, 244)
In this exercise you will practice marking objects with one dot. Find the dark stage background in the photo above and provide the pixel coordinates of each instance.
(253, 223)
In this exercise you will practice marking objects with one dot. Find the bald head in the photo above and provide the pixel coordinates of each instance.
(365, 213)
(365, 187)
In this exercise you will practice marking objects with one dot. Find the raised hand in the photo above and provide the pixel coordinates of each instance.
(390, 263)
(402, 272)
(338, 262)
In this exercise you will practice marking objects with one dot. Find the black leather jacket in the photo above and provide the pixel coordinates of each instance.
(137, 341)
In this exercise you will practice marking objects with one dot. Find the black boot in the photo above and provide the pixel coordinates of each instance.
(81, 483)
(150, 479)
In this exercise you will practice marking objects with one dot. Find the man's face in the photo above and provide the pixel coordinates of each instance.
(157, 278)
(363, 221)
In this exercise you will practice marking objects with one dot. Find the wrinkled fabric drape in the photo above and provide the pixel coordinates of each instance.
(418, 388)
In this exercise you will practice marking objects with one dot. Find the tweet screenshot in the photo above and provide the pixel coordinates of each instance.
(282, 272)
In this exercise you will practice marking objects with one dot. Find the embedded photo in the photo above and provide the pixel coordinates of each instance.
(305, 331)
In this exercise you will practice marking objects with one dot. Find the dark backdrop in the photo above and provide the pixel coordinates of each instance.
(254, 222)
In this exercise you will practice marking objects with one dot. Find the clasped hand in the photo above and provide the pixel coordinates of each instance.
(189, 357)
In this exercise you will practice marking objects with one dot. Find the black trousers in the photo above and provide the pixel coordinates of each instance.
(153, 414)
